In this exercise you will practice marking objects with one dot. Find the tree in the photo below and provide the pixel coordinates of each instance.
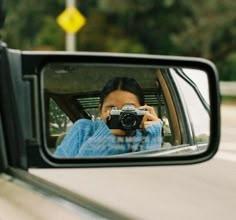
(26, 18)
(209, 31)
(58, 120)
(192, 28)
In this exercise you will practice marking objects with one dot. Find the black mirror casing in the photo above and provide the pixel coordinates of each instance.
(26, 82)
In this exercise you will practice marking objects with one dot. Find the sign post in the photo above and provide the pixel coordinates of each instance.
(71, 20)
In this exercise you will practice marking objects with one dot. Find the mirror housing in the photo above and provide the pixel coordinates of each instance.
(26, 78)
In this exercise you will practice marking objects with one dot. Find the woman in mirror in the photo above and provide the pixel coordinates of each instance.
(125, 125)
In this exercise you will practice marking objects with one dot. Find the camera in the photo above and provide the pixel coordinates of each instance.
(127, 118)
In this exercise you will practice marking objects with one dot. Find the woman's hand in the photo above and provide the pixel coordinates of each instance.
(150, 117)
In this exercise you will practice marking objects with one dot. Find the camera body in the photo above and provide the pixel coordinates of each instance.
(128, 118)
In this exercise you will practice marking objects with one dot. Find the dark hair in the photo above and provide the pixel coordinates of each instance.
(124, 84)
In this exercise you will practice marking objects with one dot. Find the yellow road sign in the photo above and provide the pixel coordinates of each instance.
(71, 20)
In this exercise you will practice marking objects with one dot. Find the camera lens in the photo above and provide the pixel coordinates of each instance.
(128, 121)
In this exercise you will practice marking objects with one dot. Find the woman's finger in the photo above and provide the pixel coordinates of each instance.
(150, 109)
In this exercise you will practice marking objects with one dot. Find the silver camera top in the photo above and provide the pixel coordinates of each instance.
(127, 108)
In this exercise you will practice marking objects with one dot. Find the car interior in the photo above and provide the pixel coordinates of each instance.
(65, 104)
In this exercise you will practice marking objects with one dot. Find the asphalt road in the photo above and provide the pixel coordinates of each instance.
(202, 191)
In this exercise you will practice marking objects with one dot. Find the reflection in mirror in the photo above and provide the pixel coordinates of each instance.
(124, 110)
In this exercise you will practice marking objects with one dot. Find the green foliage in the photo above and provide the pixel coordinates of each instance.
(192, 28)
(58, 119)
(54, 40)
(25, 20)
(229, 67)
(208, 30)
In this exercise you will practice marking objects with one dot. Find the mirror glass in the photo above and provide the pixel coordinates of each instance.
(108, 110)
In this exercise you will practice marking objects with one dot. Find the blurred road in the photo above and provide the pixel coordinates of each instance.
(202, 191)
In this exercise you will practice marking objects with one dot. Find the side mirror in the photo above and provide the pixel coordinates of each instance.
(64, 89)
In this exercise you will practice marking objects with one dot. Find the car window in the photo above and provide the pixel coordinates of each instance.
(195, 92)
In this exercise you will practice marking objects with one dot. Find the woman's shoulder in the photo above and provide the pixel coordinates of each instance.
(83, 121)
(81, 124)
(87, 122)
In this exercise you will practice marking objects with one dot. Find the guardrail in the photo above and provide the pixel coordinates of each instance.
(228, 88)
